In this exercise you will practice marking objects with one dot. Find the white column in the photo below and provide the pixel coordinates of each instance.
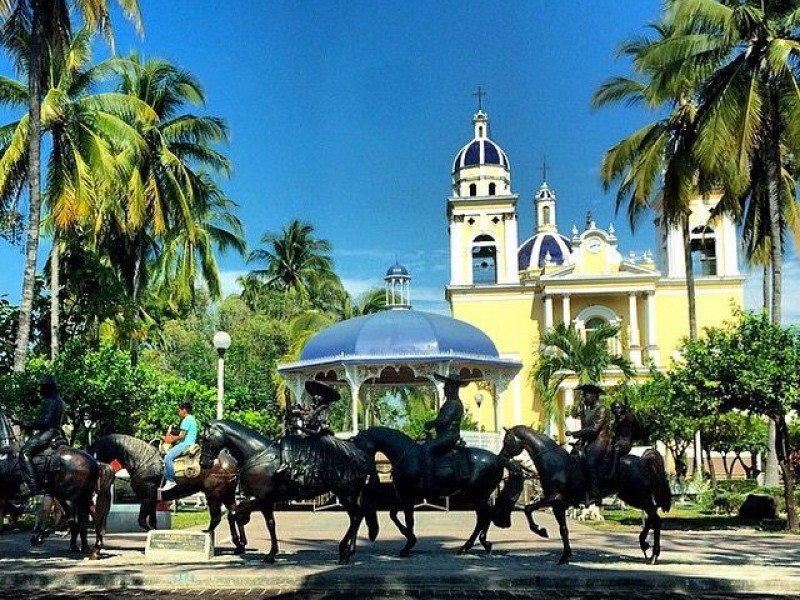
(355, 392)
(511, 244)
(496, 405)
(565, 309)
(457, 250)
(730, 265)
(675, 261)
(650, 324)
(548, 312)
(635, 341)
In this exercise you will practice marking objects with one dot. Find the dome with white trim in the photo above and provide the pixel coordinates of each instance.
(544, 249)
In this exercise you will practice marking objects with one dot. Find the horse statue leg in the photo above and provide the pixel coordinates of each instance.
(537, 505)
(268, 510)
(235, 522)
(560, 512)
(406, 530)
(483, 519)
(652, 521)
(347, 546)
(102, 506)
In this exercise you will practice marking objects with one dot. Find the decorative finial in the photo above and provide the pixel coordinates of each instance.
(479, 94)
(543, 169)
(589, 219)
(574, 230)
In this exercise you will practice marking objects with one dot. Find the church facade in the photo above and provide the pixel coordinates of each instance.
(514, 281)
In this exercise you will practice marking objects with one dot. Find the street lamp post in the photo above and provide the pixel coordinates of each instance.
(222, 341)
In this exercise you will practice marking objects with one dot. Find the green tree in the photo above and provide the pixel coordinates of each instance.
(567, 352)
(37, 34)
(297, 263)
(752, 365)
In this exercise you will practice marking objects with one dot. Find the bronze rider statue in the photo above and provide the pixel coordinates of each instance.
(45, 430)
(626, 429)
(592, 439)
(316, 422)
(447, 423)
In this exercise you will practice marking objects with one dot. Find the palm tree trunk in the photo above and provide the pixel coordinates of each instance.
(765, 288)
(690, 288)
(55, 314)
(771, 473)
(34, 169)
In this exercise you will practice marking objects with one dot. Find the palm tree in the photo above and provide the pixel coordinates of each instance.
(171, 205)
(748, 126)
(37, 33)
(85, 131)
(296, 262)
(567, 352)
(185, 248)
(655, 166)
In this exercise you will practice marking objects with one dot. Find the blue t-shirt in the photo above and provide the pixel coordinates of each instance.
(189, 424)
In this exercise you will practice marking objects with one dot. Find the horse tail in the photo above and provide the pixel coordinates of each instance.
(369, 506)
(658, 479)
(501, 515)
(102, 505)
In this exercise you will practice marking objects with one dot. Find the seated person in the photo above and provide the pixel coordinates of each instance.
(185, 438)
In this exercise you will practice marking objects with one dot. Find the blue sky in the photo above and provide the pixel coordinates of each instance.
(347, 115)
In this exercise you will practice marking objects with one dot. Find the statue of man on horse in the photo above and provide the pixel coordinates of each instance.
(592, 439)
(45, 432)
(447, 423)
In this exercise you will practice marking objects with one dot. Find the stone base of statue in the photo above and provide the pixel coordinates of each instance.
(179, 546)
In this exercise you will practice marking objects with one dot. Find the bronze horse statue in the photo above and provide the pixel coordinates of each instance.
(294, 468)
(71, 476)
(641, 482)
(146, 468)
(473, 472)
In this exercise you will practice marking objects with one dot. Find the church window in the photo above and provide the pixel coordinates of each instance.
(546, 215)
(473, 189)
(492, 189)
(484, 260)
(594, 323)
(704, 253)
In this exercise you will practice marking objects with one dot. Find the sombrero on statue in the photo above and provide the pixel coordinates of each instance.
(454, 378)
(324, 392)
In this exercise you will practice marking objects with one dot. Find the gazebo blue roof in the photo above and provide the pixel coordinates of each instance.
(401, 335)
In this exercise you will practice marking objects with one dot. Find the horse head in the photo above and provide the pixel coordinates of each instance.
(212, 441)
(512, 446)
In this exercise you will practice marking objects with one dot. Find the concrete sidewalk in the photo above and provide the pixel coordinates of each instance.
(691, 562)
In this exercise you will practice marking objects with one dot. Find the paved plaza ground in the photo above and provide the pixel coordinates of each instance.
(712, 564)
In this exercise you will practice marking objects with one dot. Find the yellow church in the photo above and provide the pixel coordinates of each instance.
(514, 280)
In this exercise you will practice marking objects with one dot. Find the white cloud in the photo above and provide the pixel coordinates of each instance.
(790, 307)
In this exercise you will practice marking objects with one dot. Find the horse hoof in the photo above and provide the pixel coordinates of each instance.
(373, 533)
(488, 547)
(541, 532)
(563, 560)
(463, 550)
(94, 555)
(269, 558)
(652, 560)
(404, 553)
(239, 550)
(37, 540)
(344, 560)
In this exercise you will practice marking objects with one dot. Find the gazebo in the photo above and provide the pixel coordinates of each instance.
(400, 346)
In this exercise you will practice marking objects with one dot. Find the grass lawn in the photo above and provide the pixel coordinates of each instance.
(186, 519)
(686, 518)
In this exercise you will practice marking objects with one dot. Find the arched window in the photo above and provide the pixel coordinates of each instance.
(594, 317)
(492, 188)
(594, 323)
(545, 215)
(484, 260)
(704, 251)
(473, 189)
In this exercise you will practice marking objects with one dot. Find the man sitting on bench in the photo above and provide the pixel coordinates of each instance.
(185, 438)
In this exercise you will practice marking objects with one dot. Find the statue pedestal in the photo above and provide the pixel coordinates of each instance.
(179, 546)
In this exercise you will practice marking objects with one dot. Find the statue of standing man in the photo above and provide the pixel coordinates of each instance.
(592, 438)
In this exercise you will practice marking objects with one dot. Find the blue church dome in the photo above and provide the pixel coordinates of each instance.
(403, 333)
(480, 152)
(543, 247)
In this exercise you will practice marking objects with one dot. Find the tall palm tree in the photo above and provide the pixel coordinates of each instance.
(655, 167)
(568, 353)
(295, 262)
(747, 54)
(171, 204)
(37, 32)
(85, 131)
(187, 252)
